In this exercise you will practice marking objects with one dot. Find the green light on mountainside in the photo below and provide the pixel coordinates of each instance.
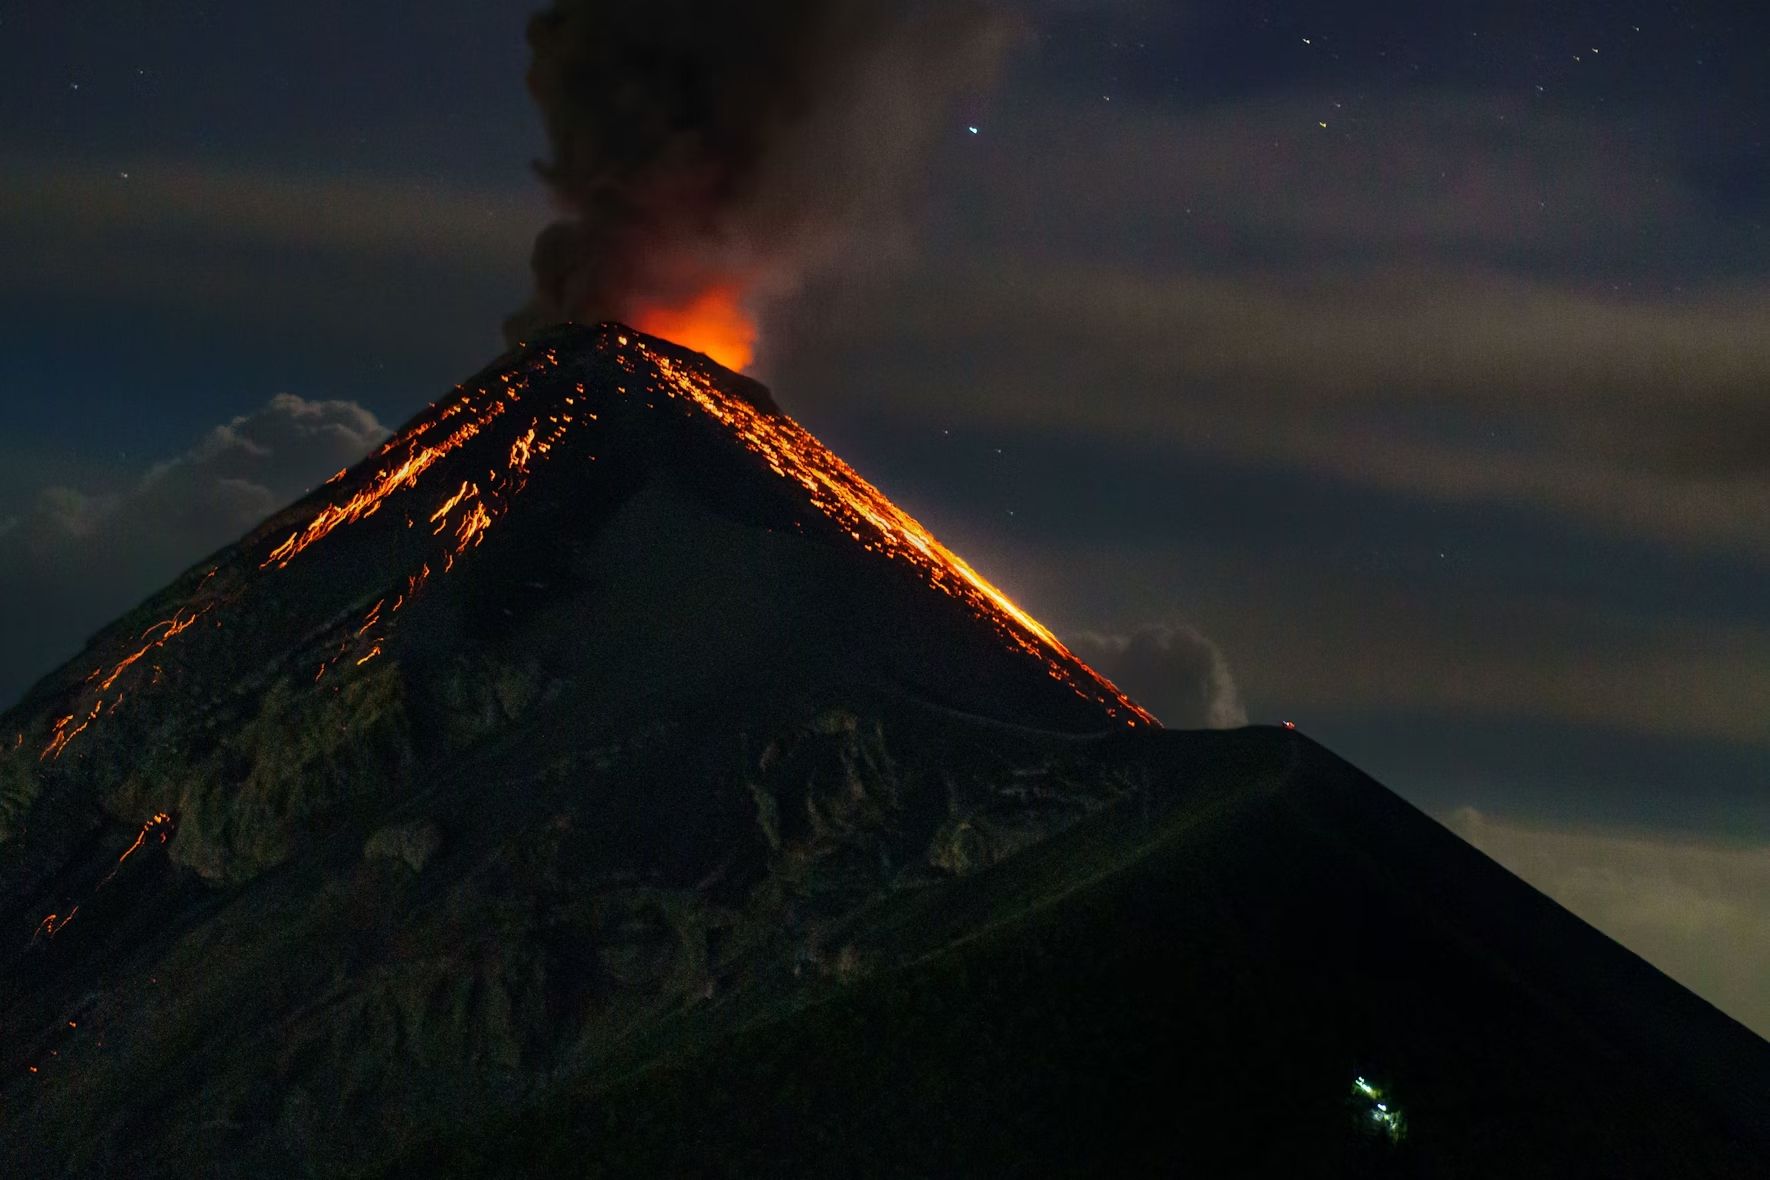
(1382, 1116)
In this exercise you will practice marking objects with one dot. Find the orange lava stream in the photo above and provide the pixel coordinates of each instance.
(481, 407)
(369, 500)
(161, 823)
(865, 513)
(468, 488)
(61, 734)
(52, 924)
(468, 513)
(176, 625)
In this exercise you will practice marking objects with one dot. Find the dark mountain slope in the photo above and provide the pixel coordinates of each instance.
(598, 690)
(1192, 982)
(604, 753)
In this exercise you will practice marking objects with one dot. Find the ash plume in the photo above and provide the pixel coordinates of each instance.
(732, 145)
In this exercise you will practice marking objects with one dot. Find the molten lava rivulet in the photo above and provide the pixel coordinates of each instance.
(865, 514)
(456, 470)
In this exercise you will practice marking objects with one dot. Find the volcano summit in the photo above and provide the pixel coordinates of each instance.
(602, 777)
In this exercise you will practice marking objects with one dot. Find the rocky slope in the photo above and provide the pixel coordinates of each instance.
(598, 693)
(1257, 963)
(602, 777)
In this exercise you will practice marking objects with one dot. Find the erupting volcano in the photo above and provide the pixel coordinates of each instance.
(603, 775)
(519, 424)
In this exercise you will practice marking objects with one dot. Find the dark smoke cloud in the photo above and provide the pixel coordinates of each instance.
(703, 143)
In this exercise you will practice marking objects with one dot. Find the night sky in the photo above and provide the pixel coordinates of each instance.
(1397, 369)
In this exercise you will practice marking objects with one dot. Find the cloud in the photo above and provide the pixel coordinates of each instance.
(1644, 417)
(73, 559)
(1696, 910)
(346, 264)
(1405, 300)
(1173, 671)
(1312, 633)
(1485, 175)
(78, 202)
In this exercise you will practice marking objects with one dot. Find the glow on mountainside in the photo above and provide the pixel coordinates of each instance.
(462, 512)
(466, 509)
(864, 513)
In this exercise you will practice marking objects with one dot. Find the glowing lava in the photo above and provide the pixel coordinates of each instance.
(713, 322)
(865, 514)
(482, 425)
(160, 825)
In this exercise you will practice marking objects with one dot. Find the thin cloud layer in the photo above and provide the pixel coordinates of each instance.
(346, 264)
(72, 559)
(1696, 910)
(1173, 671)
(1311, 633)
(74, 202)
(1403, 299)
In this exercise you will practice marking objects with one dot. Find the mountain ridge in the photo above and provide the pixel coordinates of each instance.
(602, 714)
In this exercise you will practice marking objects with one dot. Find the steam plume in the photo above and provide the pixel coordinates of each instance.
(711, 153)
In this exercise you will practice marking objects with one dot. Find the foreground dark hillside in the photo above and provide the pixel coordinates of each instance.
(1191, 983)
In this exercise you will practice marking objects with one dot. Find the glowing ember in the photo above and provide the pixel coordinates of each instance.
(713, 322)
(65, 731)
(468, 488)
(63, 735)
(160, 822)
(520, 450)
(176, 625)
(52, 924)
(161, 825)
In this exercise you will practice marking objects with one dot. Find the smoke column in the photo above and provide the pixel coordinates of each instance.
(710, 154)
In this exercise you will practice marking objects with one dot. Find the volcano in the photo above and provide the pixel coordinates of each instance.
(602, 777)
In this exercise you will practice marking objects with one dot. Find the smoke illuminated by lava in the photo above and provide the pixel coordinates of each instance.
(714, 323)
(712, 154)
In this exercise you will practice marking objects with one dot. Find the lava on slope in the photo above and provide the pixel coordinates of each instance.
(879, 526)
(602, 710)
(412, 477)
(340, 597)
(427, 500)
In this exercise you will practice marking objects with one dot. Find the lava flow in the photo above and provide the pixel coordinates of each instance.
(160, 824)
(870, 518)
(156, 636)
(464, 511)
(479, 510)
